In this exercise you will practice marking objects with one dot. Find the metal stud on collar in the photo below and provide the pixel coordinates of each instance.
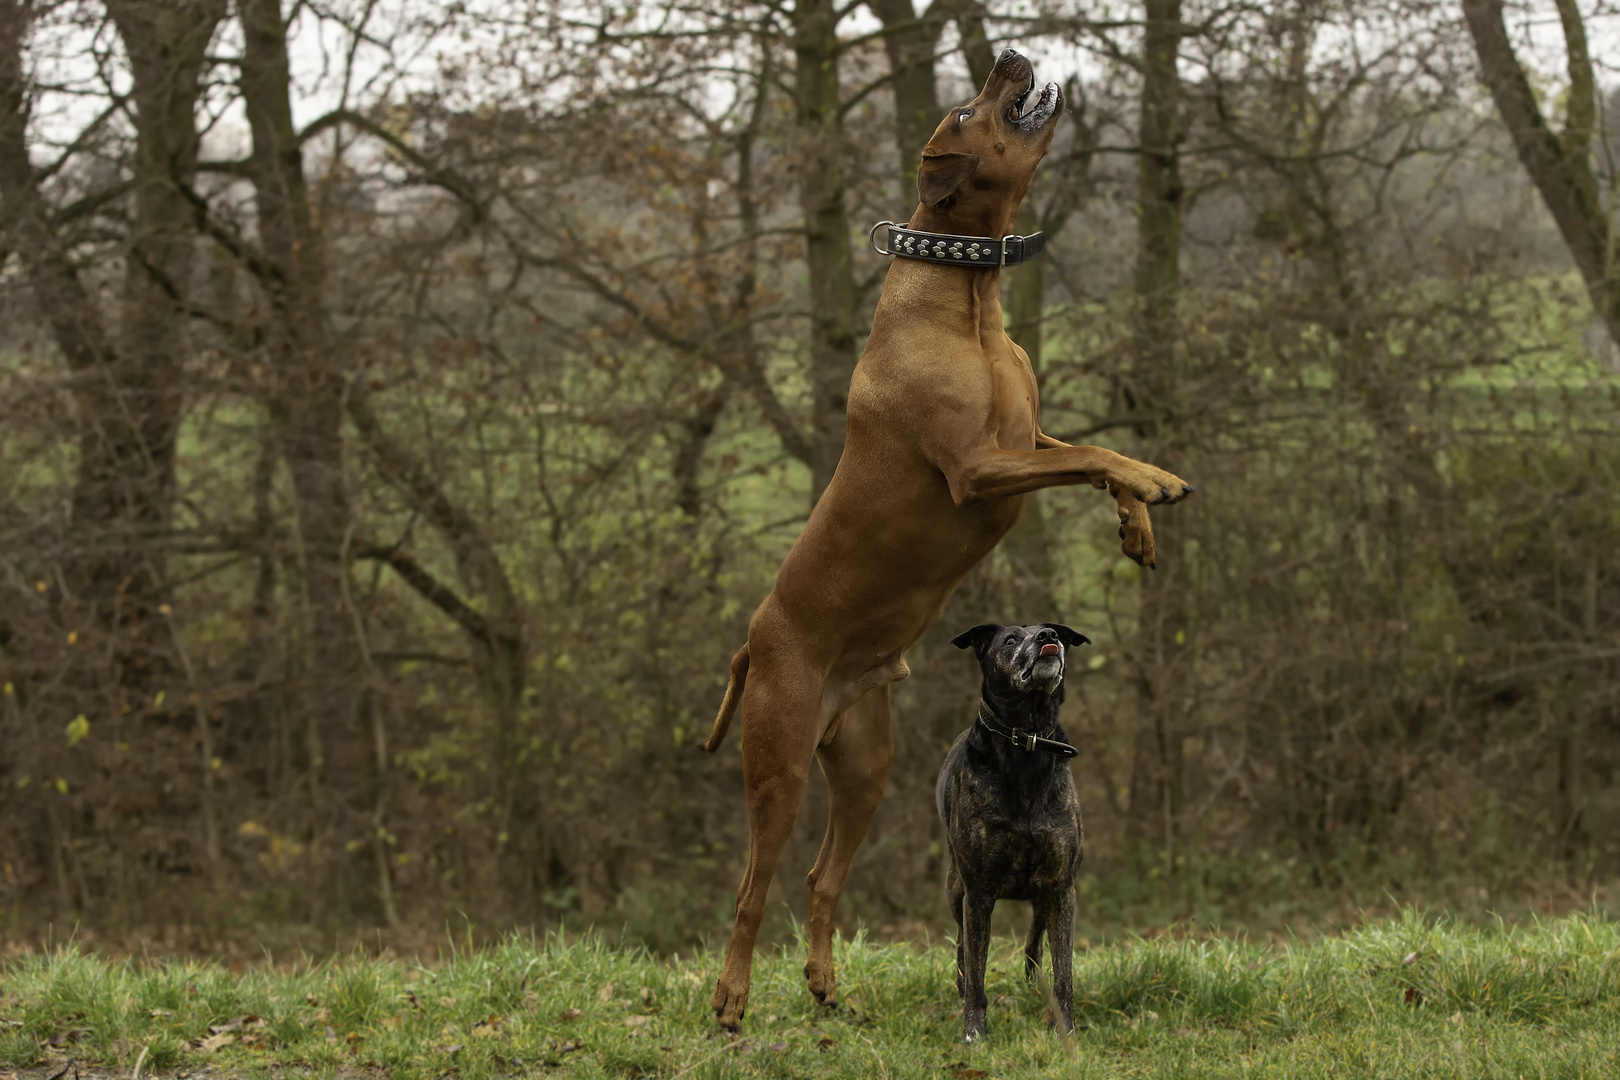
(948, 249)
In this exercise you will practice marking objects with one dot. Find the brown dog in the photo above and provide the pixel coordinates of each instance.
(943, 444)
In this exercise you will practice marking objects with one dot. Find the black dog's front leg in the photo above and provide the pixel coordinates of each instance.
(1060, 932)
(1032, 944)
(973, 947)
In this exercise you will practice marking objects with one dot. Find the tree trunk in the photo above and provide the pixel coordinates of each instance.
(493, 621)
(909, 40)
(1156, 769)
(1560, 165)
(306, 404)
(822, 190)
(129, 392)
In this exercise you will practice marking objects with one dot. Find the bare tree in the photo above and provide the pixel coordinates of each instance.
(1562, 165)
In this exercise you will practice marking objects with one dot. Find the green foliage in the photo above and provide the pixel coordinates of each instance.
(1414, 996)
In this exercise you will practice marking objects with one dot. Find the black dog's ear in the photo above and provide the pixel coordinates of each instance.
(978, 637)
(1066, 635)
(940, 175)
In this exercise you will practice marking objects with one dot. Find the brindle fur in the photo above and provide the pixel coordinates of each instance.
(1011, 815)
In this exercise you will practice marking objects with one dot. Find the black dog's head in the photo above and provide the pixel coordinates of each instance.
(1020, 662)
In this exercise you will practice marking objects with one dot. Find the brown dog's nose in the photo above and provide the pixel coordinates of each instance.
(1012, 63)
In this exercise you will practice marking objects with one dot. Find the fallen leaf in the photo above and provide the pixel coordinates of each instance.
(1456, 1017)
(778, 1047)
(252, 1023)
(970, 1074)
(456, 1049)
(158, 1014)
(353, 1037)
(605, 994)
(635, 1021)
(692, 978)
(213, 1042)
(559, 1050)
(826, 1044)
(62, 1038)
(1412, 996)
(568, 1014)
(487, 1029)
(1411, 958)
(447, 1003)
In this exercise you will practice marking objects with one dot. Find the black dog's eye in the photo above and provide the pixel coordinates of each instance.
(1012, 645)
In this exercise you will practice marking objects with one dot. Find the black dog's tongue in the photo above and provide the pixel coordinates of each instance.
(1050, 649)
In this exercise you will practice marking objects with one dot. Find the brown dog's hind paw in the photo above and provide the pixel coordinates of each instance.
(823, 987)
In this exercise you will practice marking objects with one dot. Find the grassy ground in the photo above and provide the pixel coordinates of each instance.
(1409, 998)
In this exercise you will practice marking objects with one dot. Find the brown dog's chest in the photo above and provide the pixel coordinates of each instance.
(1014, 397)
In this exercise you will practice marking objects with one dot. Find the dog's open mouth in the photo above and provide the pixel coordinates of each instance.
(1045, 107)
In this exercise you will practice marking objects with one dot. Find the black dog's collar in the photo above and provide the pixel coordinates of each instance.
(948, 249)
(1024, 740)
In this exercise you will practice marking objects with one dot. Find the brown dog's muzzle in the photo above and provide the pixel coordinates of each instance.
(1010, 84)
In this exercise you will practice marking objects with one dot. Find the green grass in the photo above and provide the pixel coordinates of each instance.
(1418, 997)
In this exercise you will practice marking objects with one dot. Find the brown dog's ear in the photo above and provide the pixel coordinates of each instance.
(977, 637)
(1066, 635)
(940, 175)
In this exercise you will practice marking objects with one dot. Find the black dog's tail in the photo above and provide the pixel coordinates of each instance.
(728, 705)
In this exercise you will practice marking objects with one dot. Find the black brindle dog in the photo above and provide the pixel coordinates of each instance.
(1010, 811)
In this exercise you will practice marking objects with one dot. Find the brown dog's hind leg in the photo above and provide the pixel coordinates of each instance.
(856, 765)
(779, 733)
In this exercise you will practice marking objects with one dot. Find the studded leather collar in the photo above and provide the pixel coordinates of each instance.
(948, 249)
(1021, 738)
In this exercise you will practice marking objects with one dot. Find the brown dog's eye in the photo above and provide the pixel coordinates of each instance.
(963, 115)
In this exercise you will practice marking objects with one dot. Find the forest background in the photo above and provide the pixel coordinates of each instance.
(403, 407)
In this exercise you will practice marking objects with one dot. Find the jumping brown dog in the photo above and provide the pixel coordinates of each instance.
(943, 444)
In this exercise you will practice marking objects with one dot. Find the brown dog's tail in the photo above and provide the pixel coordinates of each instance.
(728, 704)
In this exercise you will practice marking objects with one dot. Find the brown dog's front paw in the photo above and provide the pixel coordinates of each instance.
(1152, 485)
(729, 1004)
(1135, 529)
